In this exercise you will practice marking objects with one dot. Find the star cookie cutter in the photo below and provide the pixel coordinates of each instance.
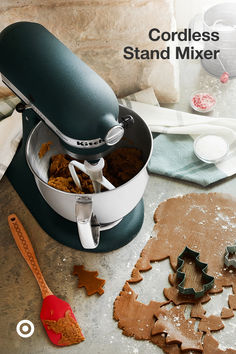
(230, 250)
(208, 280)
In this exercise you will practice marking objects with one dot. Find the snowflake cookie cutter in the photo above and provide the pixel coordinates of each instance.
(228, 251)
(208, 280)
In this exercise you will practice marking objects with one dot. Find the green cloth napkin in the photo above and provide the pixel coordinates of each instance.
(173, 156)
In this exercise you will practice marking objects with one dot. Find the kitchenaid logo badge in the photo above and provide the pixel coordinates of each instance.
(187, 52)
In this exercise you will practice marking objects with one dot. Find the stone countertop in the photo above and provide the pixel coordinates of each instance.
(20, 295)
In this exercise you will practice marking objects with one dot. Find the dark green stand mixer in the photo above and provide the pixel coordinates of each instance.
(67, 103)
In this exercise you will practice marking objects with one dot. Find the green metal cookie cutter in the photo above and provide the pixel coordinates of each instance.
(230, 250)
(208, 280)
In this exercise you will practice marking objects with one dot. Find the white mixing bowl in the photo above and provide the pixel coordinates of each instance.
(109, 206)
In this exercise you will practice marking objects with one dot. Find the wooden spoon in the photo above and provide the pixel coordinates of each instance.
(56, 315)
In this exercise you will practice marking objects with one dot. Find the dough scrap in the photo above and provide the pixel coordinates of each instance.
(89, 280)
(135, 319)
(198, 311)
(178, 328)
(211, 323)
(211, 346)
(205, 223)
(44, 148)
(226, 313)
(232, 302)
(160, 341)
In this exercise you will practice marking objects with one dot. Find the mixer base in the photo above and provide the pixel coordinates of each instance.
(57, 227)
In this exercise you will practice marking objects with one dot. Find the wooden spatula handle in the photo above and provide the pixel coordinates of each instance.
(25, 247)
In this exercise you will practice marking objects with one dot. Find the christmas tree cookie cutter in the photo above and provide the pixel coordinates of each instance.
(230, 261)
(208, 280)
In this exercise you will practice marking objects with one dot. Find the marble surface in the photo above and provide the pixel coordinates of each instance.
(20, 295)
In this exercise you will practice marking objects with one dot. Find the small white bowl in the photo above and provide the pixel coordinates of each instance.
(199, 109)
(215, 153)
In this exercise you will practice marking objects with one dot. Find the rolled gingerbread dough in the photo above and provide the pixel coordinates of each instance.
(205, 223)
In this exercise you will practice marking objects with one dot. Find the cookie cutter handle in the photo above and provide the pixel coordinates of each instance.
(88, 227)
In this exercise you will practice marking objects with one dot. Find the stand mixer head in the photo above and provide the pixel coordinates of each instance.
(79, 107)
(73, 101)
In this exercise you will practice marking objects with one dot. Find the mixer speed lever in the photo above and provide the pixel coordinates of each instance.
(126, 121)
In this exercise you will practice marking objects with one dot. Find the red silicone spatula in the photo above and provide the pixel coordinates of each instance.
(56, 315)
